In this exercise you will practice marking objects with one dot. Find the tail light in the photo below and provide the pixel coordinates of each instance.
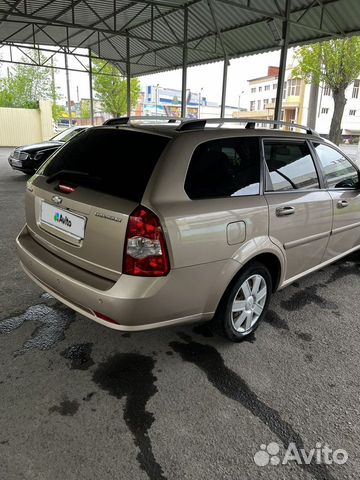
(145, 252)
(105, 317)
(65, 188)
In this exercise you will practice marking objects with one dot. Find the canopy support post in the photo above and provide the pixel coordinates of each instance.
(128, 77)
(313, 105)
(68, 87)
(223, 93)
(184, 65)
(91, 89)
(283, 58)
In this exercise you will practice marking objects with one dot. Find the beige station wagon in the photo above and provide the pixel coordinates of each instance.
(138, 225)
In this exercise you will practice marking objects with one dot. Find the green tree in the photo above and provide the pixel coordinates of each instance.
(57, 110)
(6, 96)
(110, 87)
(85, 108)
(336, 63)
(26, 85)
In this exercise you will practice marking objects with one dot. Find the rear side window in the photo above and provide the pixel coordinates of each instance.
(67, 134)
(114, 161)
(290, 166)
(224, 168)
(338, 171)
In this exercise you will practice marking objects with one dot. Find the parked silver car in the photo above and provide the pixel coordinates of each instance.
(139, 226)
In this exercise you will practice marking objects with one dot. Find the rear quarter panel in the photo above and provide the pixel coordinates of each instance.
(196, 230)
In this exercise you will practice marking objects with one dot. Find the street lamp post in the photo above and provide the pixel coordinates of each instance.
(200, 100)
(156, 98)
(239, 101)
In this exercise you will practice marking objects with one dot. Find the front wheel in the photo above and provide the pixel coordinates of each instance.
(245, 303)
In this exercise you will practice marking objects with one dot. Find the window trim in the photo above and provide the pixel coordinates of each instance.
(261, 173)
(267, 173)
(355, 89)
(294, 85)
(334, 147)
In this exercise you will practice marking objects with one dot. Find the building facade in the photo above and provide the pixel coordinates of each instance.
(159, 101)
(351, 118)
(261, 97)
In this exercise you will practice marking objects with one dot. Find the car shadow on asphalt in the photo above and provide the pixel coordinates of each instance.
(19, 177)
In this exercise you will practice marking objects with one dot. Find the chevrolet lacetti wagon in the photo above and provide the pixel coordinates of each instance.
(142, 225)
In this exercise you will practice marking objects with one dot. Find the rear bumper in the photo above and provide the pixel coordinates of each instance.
(134, 303)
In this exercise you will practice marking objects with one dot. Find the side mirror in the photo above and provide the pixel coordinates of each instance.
(357, 185)
(348, 183)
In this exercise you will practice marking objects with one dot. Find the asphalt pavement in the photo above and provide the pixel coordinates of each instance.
(79, 401)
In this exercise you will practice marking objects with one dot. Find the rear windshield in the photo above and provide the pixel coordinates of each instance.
(114, 161)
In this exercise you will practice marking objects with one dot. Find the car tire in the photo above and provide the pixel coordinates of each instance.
(244, 303)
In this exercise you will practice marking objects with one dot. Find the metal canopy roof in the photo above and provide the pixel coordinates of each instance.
(152, 31)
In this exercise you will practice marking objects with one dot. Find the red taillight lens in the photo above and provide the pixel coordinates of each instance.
(105, 317)
(145, 252)
(66, 188)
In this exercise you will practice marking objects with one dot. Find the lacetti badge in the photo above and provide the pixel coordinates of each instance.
(59, 218)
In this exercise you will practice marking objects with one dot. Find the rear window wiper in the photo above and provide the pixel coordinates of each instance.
(69, 173)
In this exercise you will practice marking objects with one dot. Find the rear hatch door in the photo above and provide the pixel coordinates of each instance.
(79, 202)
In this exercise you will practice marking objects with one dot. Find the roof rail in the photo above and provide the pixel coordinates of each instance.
(200, 124)
(117, 121)
(127, 120)
(192, 125)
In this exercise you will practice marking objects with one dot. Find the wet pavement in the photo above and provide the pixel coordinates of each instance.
(80, 401)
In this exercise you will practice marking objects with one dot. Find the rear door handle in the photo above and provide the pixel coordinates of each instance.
(342, 204)
(283, 211)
